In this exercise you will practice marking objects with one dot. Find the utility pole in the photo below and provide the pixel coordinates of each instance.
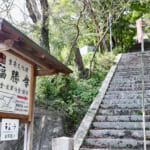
(110, 33)
(140, 40)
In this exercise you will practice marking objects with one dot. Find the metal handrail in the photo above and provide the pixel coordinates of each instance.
(143, 102)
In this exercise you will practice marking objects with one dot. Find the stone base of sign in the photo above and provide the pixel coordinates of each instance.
(47, 125)
(62, 143)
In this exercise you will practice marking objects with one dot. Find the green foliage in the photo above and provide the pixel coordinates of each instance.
(117, 50)
(105, 61)
(70, 95)
(86, 59)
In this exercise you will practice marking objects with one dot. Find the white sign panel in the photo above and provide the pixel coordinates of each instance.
(14, 84)
(9, 129)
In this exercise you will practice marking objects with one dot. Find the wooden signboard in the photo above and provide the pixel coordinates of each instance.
(21, 60)
(15, 86)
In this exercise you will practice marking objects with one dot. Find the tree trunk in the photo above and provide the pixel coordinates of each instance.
(105, 45)
(79, 62)
(33, 10)
(36, 16)
(96, 25)
(45, 25)
(113, 41)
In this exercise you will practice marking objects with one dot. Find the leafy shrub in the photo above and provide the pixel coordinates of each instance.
(86, 58)
(118, 49)
(106, 60)
(70, 95)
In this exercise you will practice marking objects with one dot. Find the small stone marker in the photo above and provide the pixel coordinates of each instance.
(62, 143)
(9, 129)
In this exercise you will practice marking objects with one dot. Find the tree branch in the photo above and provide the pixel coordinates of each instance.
(77, 35)
(33, 10)
(91, 61)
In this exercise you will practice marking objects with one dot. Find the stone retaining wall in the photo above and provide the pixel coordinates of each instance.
(47, 125)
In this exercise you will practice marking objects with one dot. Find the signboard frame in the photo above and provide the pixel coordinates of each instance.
(42, 64)
(23, 118)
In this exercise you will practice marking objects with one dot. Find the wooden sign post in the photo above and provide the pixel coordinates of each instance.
(17, 91)
(21, 60)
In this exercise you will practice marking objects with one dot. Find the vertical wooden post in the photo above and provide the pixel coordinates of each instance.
(29, 126)
(25, 137)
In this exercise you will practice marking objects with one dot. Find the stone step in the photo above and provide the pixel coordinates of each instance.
(127, 88)
(123, 106)
(133, 65)
(122, 118)
(137, 54)
(129, 84)
(121, 96)
(134, 134)
(130, 78)
(133, 86)
(136, 86)
(102, 149)
(127, 73)
(130, 56)
(117, 112)
(124, 96)
(125, 101)
(124, 72)
(133, 59)
(120, 125)
(128, 94)
(92, 149)
(130, 105)
(116, 143)
(127, 67)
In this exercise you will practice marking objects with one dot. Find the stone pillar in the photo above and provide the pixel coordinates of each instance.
(62, 143)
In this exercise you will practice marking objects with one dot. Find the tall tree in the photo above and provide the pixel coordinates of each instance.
(43, 17)
(95, 22)
(115, 18)
(68, 23)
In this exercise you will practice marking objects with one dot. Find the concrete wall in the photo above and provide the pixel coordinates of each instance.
(47, 125)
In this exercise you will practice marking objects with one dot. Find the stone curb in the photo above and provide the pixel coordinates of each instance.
(87, 120)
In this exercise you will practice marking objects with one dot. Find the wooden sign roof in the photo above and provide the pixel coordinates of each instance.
(16, 42)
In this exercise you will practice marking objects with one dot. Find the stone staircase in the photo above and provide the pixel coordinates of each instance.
(137, 47)
(118, 123)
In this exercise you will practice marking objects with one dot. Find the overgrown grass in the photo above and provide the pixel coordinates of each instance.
(70, 95)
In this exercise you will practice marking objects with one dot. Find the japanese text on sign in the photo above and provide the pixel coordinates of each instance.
(9, 129)
(14, 84)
